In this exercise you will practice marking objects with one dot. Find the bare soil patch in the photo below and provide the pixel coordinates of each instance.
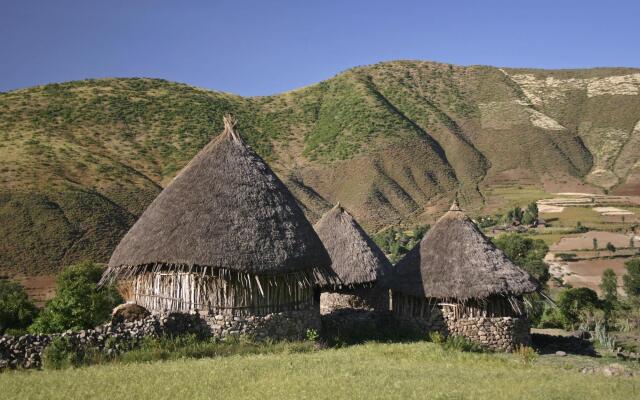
(588, 273)
(585, 241)
(40, 288)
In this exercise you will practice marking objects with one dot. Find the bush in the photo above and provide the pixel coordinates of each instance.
(631, 280)
(79, 303)
(60, 353)
(552, 318)
(16, 310)
(572, 303)
(527, 253)
(609, 286)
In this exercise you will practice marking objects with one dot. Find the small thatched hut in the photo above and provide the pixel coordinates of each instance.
(225, 238)
(356, 260)
(457, 281)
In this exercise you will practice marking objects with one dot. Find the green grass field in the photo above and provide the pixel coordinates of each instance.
(403, 371)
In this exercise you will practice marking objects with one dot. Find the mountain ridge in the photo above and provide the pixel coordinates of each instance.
(393, 142)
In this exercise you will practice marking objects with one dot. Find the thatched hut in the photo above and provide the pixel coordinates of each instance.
(458, 282)
(356, 260)
(225, 238)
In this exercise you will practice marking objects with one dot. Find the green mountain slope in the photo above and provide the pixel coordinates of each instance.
(79, 161)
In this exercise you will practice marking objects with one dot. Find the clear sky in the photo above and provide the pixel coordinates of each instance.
(263, 47)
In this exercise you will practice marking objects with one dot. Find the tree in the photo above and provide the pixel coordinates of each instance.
(526, 253)
(595, 245)
(631, 243)
(528, 218)
(611, 247)
(573, 302)
(631, 280)
(609, 286)
(16, 310)
(532, 209)
(79, 303)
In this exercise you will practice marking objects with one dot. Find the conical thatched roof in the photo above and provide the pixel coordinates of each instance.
(226, 211)
(455, 260)
(355, 258)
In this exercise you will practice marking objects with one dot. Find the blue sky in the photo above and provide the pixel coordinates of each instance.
(265, 47)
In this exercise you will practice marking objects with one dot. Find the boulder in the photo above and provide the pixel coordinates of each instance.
(128, 312)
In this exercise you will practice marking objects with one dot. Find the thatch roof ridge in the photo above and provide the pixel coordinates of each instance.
(227, 211)
(455, 260)
(355, 257)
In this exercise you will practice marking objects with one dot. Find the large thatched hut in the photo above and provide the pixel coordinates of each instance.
(356, 260)
(458, 282)
(225, 238)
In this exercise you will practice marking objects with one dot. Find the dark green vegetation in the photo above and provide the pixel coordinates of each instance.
(16, 310)
(79, 161)
(631, 280)
(79, 303)
(396, 242)
(527, 253)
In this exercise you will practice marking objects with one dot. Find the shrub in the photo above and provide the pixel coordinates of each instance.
(631, 280)
(552, 318)
(60, 353)
(526, 354)
(527, 253)
(610, 247)
(16, 310)
(79, 302)
(575, 301)
(609, 286)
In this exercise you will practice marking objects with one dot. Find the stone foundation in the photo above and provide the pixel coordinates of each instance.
(288, 325)
(502, 334)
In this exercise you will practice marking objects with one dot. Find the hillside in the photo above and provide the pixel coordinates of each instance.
(79, 161)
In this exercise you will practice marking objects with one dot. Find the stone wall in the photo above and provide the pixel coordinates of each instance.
(26, 351)
(500, 334)
(289, 325)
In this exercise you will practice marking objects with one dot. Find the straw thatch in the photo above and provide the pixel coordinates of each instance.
(455, 260)
(355, 258)
(226, 214)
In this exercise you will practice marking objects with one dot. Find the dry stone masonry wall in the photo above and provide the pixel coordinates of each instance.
(502, 334)
(288, 325)
(26, 351)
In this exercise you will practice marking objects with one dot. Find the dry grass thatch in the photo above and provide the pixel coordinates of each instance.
(355, 258)
(455, 260)
(225, 213)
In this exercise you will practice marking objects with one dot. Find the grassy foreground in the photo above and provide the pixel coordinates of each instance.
(406, 371)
